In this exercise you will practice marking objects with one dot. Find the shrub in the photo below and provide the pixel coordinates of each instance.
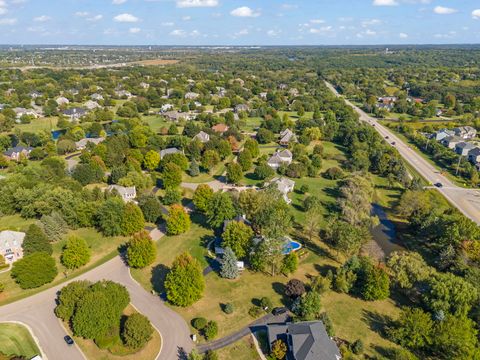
(279, 350)
(357, 347)
(304, 189)
(334, 173)
(141, 250)
(266, 303)
(34, 270)
(76, 253)
(137, 331)
(210, 355)
(255, 311)
(210, 331)
(327, 322)
(2, 287)
(199, 323)
(294, 288)
(228, 308)
(290, 263)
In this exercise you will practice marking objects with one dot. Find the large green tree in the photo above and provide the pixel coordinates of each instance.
(36, 241)
(137, 331)
(34, 270)
(132, 219)
(141, 250)
(76, 253)
(178, 221)
(202, 197)
(220, 208)
(238, 237)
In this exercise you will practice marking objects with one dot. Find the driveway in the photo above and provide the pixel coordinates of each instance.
(37, 312)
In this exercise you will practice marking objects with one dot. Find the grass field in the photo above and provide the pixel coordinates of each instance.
(15, 339)
(243, 349)
(119, 351)
(48, 124)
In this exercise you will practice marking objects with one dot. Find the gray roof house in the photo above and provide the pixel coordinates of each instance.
(177, 116)
(191, 95)
(75, 113)
(96, 97)
(11, 245)
(286, 136)
(279, 158)
(465, 132)
(442, 134)
(82, 144)
(451, 141)
(474, 155)
(170, 151)
(91, 105)
(62, 101)
(464, 148)
(284, 185)
(305, 340)
(202, 136)
(17, 151)
(242, 107)
(126, 193)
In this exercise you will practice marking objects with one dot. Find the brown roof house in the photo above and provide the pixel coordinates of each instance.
(220, 128)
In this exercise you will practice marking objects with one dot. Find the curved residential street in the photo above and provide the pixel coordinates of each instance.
(465, 200)
(37, 312)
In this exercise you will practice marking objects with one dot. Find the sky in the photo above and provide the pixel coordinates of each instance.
(239, 22)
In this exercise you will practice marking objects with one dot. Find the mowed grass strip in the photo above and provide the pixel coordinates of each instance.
(15, 339)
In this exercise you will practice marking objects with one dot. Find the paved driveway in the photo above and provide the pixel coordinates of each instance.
(37, 312)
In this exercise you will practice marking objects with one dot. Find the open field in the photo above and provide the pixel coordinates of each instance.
(47, 124)
(15, 339)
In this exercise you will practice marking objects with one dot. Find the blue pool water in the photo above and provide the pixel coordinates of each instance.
(291, 246)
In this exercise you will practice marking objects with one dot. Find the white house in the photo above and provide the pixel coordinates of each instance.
(126, 193)
(280, 158)
(11, 245)
(169, 151)
(191, 95)
(91, 105)
(82, 144)
(166, 107)
(443, 133)
(96, 97)
(202, 136)
(62, 101)
(18, 151)
(465, 132)
(284, 185)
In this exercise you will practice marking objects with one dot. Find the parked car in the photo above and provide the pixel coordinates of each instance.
(393, 143)
(438, 184)
(68, 340)
(279, 311)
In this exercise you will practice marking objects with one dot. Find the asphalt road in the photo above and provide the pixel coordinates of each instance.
(37, 312)
(465, 200)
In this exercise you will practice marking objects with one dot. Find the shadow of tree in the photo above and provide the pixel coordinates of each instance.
(377, 322)
(159, 273)
(279, 288)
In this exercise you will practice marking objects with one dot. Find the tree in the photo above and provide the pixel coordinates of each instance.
(199, 323)
(54, 226)
(413, 329)
(376, 284)
(252, 146)
(234, 173)
(151, 160)
(312, 222)
(210, 331)
(238, 236)
(228, 265)
(308, 307)
(184, 283)
(194, 169)
(265, 136)
(294, 288)
(141, 250)
(76, 253)
(132, 219)
(279, 350)
(220, 208)
(357, 347)
(109, 216)
(172, 196)
(202, 197)
(137, 331)
(210, 158)
(345, 237)
(88, 173)
(290, 263)
(355, 200)
(34, 270)
(150, 206)
(245, 160)
(171, 176)
(36, 241)
(69, 297)
(263, 171)
(178, 221)
(408, 268)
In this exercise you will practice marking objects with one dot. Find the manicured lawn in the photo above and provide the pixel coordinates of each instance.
(15, 222)
(37, 125)
(15, 339)
(156, 122)
(148, 352)
(243, 349)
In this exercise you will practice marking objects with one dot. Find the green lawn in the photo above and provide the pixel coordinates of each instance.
(15, 339)
(156, 122)
(37, 125)
(243, 349)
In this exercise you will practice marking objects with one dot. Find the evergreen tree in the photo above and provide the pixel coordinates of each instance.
(194, 169)
(150, 206)
(54, 226)
(228, 265)
(36, 241)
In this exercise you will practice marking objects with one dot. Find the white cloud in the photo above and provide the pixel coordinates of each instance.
(371, 22)
(7, 21)
(118, 2)
(129, 18)
(242, 32)
(273, 33)
(244, 11)
(81, 13)
(442, 10)
(317, 21)
(196, 3)
(476, 14)
(403, 36)
(385, 3)
(42, 18)
(134, 30)
(168, 23)
(178, 32)
(95, 18)
(187, 18)
(322, 30)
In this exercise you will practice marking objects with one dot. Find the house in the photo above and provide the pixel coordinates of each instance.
(82, 144)
(294, 92)
(75, 113)
(388, 107)
(62, 101)
(451, 141)
(35, 94)
(464, 148)
(191, 95)
(126, 193)
(305, 340)
(166, 107)
(17, 152)
(178, 116)
(280, 158)
(221, 92)
(388, 99)
(238, 218)
(443, 133)
(144, 85)
(92, 105)
(220, 128)
(474, 155)
(283, 86)
(19, 112)
(284, 185)
(202, 136)
(465, 132)
(123, 94)
(170, 151)
(286, 136)
(263, 95)
(11, 245)
(439, 113)
(242, 108)
(96, 97)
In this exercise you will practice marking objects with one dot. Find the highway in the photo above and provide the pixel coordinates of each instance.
(465, 200)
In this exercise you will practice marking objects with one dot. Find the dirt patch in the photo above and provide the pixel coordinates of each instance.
(156, 62)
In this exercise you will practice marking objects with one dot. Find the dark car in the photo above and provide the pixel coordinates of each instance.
(68, 340)
(438, 184)
(393, 143)
(386, 137)
(279, 311)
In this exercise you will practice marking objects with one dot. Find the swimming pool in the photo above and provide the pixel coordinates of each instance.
(291, 246)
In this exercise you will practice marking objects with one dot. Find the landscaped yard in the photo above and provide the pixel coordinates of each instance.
(48, 124)
(15, 339)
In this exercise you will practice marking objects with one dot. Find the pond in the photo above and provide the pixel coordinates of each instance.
(384, 234)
